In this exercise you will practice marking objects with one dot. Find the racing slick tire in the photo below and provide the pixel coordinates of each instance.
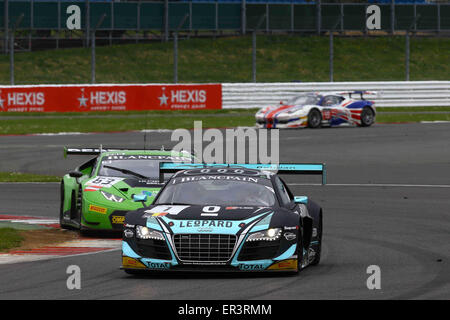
(367, 117)
(319, 238)
(314, 118)
(79, 206)
(299, 251)
(61, 209)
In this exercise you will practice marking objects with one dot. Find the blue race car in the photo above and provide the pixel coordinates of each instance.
(221, 217)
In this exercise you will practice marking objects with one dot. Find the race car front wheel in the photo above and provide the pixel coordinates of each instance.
(79, 205)
(367, 117)
(314, 118)
(316, 259)
(299, 250)
(61, 209)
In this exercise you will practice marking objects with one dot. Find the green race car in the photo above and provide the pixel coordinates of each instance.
(98, 193)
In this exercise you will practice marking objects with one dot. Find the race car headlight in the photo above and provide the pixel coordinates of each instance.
(146, 233)
(266, 235)
(111, 197)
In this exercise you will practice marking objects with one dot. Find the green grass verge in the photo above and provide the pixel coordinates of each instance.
(169, 120)
(27, 177)
(9, 238)
(279, 58)
(108, 124)
(191, 113)
(410, 117)
(413, 109)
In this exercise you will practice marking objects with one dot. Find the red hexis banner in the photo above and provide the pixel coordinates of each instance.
(82, 98)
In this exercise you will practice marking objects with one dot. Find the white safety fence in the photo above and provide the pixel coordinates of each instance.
(390, 93)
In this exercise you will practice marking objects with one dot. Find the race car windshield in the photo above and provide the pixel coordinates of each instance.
(130, 168)
(304, 100)
(218, 192)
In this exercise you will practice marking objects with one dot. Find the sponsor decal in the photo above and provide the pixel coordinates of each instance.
(128, 233)
(215, 177)
(159, 265)
(128, 262)
(284, 265)
(252, 267)
(289, 236)
(22, 101)
(205, 223)
(103, 182)
(118, 219)
(326, 114)
(92, 188)
(222, 171)
(291, 228)
(239, 208)
(81, 98)
(210, 211)
(159, 214)
(147, 157)
(98, 209)
(172, 210)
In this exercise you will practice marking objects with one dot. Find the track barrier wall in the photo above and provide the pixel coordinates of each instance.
(110, 97)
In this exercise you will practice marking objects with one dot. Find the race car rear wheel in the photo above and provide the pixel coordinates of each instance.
(367, 117)
(319, 238)
(314, 118)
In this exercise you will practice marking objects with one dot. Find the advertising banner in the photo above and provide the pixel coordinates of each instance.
(83, 98)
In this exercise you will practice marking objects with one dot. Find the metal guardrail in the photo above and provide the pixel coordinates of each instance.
(390, 93)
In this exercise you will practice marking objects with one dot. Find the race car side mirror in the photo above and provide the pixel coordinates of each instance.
(301, 199)
(75, 174)
(139, 197)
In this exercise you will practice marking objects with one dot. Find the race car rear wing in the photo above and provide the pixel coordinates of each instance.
(97, 151)
(360, 92)
(88, 151)
(281, 168)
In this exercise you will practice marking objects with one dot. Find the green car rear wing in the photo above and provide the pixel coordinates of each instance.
(97, 151)
(281, 168)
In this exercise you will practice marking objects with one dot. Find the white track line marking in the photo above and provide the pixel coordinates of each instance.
(436, 121)
(13, 258)
(34, 221)
(94, 243)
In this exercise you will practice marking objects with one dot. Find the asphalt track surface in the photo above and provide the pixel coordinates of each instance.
(387, 204)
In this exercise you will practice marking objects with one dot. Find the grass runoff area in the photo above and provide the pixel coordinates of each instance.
(281, 58)
(17, 123)
(10, 238)
(25, 236)
(27, 177)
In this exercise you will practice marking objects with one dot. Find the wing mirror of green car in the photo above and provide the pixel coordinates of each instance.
(139, 197)
(301, 199)
(75, 174)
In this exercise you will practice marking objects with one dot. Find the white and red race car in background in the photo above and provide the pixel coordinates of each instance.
(317, 109)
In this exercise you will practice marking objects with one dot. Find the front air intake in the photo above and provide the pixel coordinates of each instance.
(204, 247)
